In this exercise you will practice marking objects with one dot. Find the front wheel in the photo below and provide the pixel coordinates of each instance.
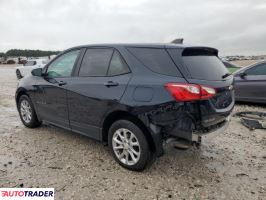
(27, 113)
(129, 145)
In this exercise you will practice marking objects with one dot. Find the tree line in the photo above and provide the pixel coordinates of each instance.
(28, 53)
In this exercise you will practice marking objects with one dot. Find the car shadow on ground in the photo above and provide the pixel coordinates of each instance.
(173, 162)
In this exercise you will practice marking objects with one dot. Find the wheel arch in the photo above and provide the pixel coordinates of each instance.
(119, 115)
(36, 120)
(20, 92)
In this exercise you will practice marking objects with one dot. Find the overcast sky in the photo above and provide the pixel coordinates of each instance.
(232, 26)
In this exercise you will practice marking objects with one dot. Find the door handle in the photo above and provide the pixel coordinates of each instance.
(60, 83)
(111, 84)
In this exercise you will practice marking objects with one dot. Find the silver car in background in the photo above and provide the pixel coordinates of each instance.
(250, 83)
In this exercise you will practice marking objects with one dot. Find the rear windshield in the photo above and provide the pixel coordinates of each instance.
(205, 67)
(201, 63)
(157, 60)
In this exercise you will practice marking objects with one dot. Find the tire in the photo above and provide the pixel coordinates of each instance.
(27, 112)
(127, 148)
(19, 76)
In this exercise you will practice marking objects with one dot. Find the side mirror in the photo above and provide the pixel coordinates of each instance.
(37, 72)
(242, 75)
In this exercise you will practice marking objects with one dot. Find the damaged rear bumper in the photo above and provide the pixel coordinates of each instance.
(208, 135)
(205, 133)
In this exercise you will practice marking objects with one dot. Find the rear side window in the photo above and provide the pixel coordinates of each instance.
(117, 65)
(205, 67)
(95, 62)
(157, 60)
(257, 70)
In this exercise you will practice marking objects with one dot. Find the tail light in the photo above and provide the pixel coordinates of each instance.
(189, 92)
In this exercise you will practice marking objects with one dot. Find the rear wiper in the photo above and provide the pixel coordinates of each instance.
(226, 75)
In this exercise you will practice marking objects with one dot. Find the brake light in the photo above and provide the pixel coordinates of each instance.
(189, 92)
(207, 92)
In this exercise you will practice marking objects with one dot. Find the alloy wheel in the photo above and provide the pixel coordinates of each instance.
(26, 111)
(126, 146)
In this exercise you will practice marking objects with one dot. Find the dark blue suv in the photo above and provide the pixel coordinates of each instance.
(131, 96)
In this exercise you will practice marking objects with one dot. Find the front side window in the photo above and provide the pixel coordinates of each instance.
(62, 66)
(257, 70)
(117, 65)
(95, 62)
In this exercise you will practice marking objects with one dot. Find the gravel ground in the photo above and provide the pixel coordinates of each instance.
(231, 166)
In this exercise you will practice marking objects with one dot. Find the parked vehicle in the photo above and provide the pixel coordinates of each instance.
(26, 69)
(250, 83)
(131, 96)
(231, 67)
(2, 59)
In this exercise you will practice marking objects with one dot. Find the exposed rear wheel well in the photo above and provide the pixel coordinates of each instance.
(118, 115)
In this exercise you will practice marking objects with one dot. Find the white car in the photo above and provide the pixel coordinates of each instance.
(26, 69)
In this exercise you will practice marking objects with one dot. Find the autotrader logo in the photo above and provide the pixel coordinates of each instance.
(27, 193)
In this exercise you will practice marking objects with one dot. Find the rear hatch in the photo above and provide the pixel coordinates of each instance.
(201, 65)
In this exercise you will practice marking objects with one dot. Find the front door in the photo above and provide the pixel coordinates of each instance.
(51, 95)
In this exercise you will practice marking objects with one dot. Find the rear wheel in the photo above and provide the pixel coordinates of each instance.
(27, 113)
(129, 145)
(19, 76)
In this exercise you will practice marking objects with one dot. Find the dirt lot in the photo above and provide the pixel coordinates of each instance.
(231, 166)
(243, 63)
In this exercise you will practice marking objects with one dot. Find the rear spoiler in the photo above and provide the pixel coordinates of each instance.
(199, 51)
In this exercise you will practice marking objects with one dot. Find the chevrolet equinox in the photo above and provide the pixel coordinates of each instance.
(133, 97)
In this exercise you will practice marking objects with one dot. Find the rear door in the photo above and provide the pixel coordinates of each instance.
(252, 86)
(95, 89)
(201, 65)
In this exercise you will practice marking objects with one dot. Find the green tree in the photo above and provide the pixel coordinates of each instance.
(30, 53)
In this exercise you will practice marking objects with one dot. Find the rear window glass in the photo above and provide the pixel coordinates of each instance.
(205, 67)
(157, 60)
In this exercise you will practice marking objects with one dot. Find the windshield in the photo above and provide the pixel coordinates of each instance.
(30, 63)
(45, 62)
